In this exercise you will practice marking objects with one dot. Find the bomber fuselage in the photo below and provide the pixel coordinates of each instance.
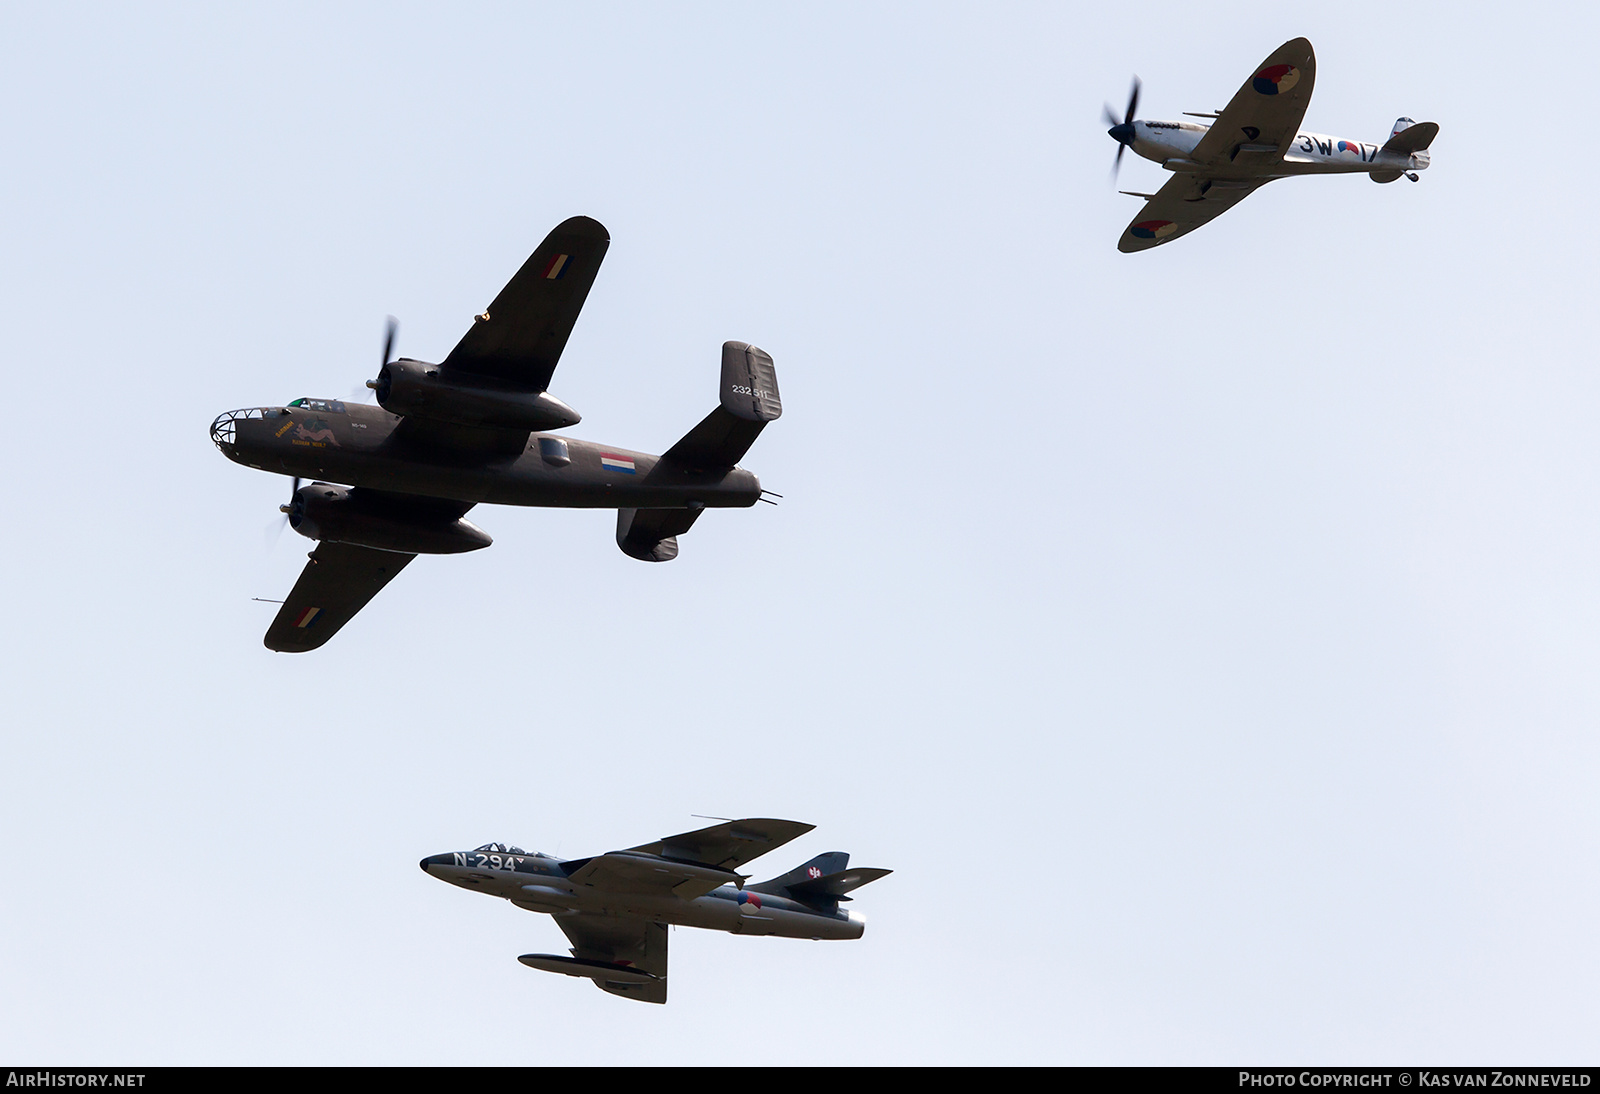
(539, 883)
(366, 446)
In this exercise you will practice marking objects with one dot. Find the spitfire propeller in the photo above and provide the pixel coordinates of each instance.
(1122, 132)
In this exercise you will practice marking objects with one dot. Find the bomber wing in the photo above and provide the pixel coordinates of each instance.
(635, 948)
(727, 846)
(1264, 115)
(1186, 202)
(340, 578)
(520, 336)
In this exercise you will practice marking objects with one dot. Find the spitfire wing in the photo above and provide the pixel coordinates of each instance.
(1185, 203)
(340, 577)
(519, 338)
(1264, 116)
(728, 846)
(635, 944)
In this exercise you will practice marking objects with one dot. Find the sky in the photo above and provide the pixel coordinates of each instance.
(1206, 638)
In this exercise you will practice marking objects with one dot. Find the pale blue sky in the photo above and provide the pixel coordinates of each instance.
(1207, 638)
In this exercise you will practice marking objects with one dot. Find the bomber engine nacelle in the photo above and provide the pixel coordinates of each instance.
(322, 511)
(417, 388)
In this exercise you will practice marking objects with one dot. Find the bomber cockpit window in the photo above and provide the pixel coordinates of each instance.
(323, 406)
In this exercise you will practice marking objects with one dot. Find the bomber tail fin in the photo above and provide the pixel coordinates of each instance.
(749, 400)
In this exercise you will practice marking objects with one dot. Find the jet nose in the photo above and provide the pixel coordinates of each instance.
(1122, 133)
(434, 860)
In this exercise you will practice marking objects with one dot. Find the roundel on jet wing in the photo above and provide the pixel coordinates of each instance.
(1275, 79)
(1153, 229)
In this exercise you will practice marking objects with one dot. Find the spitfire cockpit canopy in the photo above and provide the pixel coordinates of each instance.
(323, 406)
(501, 848)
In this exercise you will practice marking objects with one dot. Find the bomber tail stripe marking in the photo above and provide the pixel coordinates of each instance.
(557, 267)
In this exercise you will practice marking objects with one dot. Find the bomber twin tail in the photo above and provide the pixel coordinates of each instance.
(476, 428)
(615, 908)
(1252, 141)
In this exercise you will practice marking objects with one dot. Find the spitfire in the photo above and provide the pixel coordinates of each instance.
(615, 908)
(1247, 144)
(475, 428)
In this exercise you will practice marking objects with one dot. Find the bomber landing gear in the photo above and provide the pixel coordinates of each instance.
(1412, 175)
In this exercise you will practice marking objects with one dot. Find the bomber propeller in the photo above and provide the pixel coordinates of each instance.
(390, 328)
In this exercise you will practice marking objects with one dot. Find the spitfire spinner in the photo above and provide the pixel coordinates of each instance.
(1250, 142)
(615, 908)
(474, 428)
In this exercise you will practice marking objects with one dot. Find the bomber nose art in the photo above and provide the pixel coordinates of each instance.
(394, 481)
(615, 908)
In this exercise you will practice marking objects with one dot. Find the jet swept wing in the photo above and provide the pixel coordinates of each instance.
(729, 845)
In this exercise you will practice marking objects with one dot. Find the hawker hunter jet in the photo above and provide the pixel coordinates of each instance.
(1254, 139)
(476, 428)
(615, 908)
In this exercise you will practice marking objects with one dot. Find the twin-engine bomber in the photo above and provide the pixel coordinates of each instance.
(615, 908)
(476, 428)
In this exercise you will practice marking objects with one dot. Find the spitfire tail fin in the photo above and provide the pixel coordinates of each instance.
(1411, 137)
(1406, 149)
(821, 883)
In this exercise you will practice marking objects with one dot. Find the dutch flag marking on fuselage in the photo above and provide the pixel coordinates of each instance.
(617, 463)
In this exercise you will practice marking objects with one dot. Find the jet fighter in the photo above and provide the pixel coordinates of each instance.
(477, 428)
(615, 908)
(1247, 144)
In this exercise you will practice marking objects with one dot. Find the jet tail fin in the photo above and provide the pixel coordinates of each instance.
(822, 882)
